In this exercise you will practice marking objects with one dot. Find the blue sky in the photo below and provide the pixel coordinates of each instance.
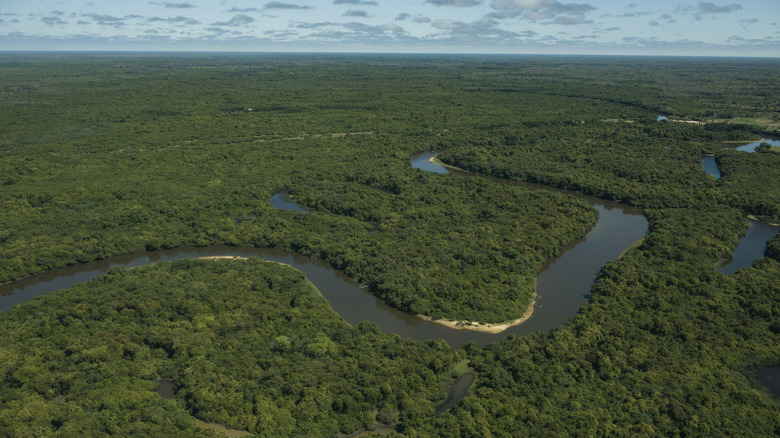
(660, 27)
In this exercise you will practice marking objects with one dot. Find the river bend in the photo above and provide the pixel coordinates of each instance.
(563, 285)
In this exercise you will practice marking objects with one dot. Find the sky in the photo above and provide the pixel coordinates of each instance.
(609, 27)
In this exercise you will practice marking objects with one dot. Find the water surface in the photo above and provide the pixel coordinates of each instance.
(458, 390)
(710, 166)
(751, 147)
(422, 161)
(770, 378)
(563, 284)
(165, 389)
(751, 246)
(282, 201)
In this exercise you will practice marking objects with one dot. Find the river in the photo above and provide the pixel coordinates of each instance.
(751, 246)
(563, 284)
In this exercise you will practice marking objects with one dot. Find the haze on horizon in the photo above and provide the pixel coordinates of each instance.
(663, 27)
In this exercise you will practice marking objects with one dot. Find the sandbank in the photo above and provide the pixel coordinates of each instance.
(479, 327)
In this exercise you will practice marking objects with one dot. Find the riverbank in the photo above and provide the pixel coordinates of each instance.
(434, 160)
(636, 244)
(480, 327)
(224, 257)
(755, 218)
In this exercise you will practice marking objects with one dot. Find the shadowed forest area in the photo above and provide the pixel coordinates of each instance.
(106, 154)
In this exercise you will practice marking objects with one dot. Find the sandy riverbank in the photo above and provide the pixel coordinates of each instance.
(243, 258)
(484, 328)
(753, 217)
(438, 162)
(223, 257)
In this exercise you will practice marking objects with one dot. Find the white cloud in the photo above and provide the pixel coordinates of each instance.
(280, 5)
(457, 3)
(376, 30)
(390, 27)
(355, 13)
(574, 18)
(448, 24)
(522, 4)
(712, 8)
(53, 21)
(540, 10)
(484, 29)
(236, 20)
(315, 25)
(355, 2)
(106, 20)
(173, 5)
(175, 20)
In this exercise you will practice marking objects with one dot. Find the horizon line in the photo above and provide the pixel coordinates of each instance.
(326, 52)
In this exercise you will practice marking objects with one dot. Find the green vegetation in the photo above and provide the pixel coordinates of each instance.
(657, 352)
(659, 164)
(108, 154)
(142, 159)
(751, 182)
(248, 344)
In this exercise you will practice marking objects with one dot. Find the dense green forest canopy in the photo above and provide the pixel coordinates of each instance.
(106, 154)
(249, 344)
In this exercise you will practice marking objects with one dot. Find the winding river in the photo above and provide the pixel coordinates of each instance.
(563, 284)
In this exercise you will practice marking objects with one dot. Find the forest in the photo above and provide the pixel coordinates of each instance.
(108, 154)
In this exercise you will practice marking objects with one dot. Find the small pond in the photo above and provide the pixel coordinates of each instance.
(710, 166)
(165, 389)
(458, 390)
(282, 201)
